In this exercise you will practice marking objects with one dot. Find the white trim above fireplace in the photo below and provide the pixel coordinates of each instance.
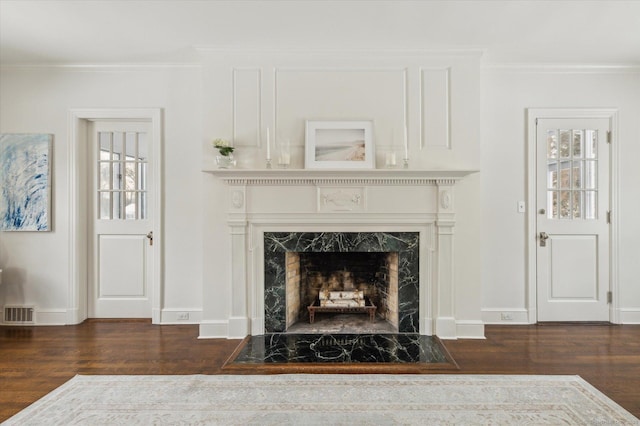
(325, 176)
(285, 200)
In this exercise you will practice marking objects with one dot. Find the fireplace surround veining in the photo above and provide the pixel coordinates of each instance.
(404, 245)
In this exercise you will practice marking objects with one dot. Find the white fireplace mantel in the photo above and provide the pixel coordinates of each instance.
(322, 200)
(332, 176)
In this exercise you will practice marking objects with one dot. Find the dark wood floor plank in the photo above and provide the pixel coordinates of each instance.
(36, 360)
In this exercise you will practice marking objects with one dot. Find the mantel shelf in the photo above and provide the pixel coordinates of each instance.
(311, 176)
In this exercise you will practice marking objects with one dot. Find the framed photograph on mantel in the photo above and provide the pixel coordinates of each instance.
(339, 145)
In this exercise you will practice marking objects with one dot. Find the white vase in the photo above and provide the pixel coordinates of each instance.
(225, 161)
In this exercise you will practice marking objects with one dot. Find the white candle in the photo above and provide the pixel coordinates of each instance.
(268, 146)
(391, 159)
(406, 144)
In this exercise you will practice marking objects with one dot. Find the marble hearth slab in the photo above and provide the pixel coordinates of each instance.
(340, 350)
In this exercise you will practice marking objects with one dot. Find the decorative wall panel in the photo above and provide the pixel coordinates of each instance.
(436, 108)
(247, 111)
(341, 94)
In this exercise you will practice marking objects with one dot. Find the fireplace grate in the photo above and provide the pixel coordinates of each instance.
(19, 314)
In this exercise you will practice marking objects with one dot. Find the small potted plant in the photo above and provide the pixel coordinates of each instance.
(225, 158)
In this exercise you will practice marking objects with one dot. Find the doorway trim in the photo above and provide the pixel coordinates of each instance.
(531, 277)
(78, 170)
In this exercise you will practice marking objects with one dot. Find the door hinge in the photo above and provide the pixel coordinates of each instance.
(608, 216)
(608, 136)
(609, 297)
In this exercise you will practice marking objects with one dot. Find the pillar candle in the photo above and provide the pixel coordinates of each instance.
(268, 145)
(406, 144)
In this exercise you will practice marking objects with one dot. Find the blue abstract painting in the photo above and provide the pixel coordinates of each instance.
(25, 177)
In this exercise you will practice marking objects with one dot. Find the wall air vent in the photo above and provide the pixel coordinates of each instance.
(19, 314)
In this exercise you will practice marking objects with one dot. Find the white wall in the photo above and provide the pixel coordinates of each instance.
(38, 99)
(507, 92)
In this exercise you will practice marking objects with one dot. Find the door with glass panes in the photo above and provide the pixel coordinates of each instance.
(121, 221)
(572, 226)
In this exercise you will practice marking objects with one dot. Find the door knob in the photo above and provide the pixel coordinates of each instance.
(543, 239)
(542, 211)
(150, 237)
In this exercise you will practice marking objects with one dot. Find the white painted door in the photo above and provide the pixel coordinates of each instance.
(572, 225)
(121, 250)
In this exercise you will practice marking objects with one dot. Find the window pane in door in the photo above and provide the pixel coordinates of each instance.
(552, 204)
(130, 205)
(142, 147)
(552, 144)
(142, 197)
(142, 176)
(130, 176)
(104, 208)
(590, 175)
(591, 143)
(577, 204)
(565, 143)
(565, 175)
(572, 168)
(117, 205)
(118, 145)
(590, 205)
(577, 143)
(577, 175)
(104, 176)
(565, 204)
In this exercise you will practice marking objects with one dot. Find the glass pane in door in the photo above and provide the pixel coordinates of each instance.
(572, 169)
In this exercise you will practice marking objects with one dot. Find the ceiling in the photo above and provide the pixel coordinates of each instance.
(168, 31)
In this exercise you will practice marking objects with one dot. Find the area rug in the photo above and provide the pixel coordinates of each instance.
(335, 399)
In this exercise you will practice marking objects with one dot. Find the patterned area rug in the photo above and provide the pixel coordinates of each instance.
(325, 399)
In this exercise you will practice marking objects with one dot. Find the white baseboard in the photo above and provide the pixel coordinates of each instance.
(446, 328)
(239, 327)
(629, 316)
(214, 329)
(426, 327)
(74, 316)
(173, 316)
(470, 329)
(44, 317)
(505, 316)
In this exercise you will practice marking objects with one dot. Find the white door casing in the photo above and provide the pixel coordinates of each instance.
(571, 199)
(80, 181)
(120, 221)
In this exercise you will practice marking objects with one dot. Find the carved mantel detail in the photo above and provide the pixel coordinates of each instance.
(338, 177)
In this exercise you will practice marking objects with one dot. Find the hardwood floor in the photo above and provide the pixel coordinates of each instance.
(36, 360)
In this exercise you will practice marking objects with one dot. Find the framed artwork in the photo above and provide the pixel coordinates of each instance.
(25, 182)
(339, 145)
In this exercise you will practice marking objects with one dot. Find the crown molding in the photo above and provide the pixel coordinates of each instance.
(103, 66)
(453, 51)
(559, 68)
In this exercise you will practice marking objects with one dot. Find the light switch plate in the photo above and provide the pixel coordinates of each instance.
(521, 207)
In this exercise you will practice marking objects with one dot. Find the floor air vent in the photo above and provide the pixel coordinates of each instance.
(19, 315)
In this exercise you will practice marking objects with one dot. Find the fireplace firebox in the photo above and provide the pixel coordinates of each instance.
(350, 270)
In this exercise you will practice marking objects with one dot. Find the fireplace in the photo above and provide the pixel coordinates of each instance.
(274, 215)
(348, 272)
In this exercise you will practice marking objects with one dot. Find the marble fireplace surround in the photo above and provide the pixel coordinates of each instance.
(262, 203)
(406, 244)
